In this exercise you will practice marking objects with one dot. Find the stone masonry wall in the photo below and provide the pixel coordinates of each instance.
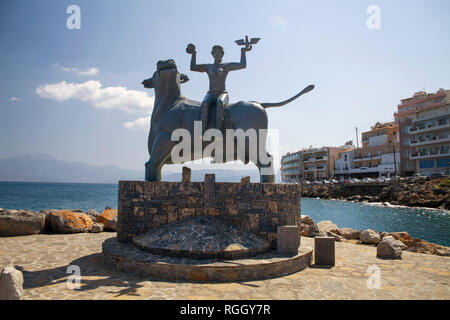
(257, 207)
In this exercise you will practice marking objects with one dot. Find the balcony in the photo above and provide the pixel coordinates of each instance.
(377, 157)
(431, 127)
(318, 158)
(428, 141)
(312, 169)
(430, 117)
(431, 154)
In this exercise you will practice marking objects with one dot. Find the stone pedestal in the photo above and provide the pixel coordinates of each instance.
(324, 251)
(288, 239)
(260, 208)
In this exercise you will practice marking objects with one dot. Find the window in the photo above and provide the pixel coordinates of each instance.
(442, 163)
(424, 164)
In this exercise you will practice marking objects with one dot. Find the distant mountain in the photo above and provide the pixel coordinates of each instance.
(45, 168)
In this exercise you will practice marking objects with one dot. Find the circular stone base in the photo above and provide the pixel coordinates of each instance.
(202, 238)
(128, 258)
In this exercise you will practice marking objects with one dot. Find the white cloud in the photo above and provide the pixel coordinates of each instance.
(87, 72)
(15, 99)
(92, 92)
(138, 124)
(279, 22)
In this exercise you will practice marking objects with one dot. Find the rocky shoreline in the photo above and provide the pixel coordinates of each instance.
(52, 221)
(402, 240)
(430, 194)
(27, 222)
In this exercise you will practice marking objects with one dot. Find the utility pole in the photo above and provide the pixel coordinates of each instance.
(357, 140)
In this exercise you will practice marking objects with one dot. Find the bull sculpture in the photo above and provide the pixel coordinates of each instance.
(174, 111)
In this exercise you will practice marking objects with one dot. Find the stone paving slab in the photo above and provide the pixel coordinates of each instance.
(44, 260)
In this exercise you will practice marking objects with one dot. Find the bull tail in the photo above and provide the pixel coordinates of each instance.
(279, 104)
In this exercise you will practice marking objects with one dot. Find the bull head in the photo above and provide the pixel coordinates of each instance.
(162, 65)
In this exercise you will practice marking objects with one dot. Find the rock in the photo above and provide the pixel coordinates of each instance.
(97, 227)
(309, 230)
(93, 213)
(108, 208)
(389, 248)
(306, 220)
(443, 251)
(65, 221)
(77, 210)
(348, 233)
(327, 226)
(401, 236)
(109, 219)
(11, 284)
(15, 223)
(336, 237)
(369, 236)
(422, 246)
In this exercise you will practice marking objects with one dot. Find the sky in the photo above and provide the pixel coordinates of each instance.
(76, 94)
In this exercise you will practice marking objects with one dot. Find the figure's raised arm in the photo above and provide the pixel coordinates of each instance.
(239, 65)
(194, 66)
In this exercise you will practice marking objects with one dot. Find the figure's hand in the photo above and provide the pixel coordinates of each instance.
(245, 49)
(190, 48)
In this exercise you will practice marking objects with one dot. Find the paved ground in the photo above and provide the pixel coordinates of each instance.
(44, 261)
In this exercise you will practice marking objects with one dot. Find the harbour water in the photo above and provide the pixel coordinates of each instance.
(429, 224)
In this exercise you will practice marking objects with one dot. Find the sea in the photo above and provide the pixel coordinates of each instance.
(432, 225)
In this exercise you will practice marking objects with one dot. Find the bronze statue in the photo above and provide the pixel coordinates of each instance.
(173, 111)
(217, 73)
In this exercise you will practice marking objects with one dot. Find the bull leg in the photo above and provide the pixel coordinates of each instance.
(162, 147)
(267, 174)
(266, 171)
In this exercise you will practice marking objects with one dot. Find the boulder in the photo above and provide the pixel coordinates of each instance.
(327, 226)
(77, 210)
(11, 284)
(369, 236)
(109, 219)
(422, 246)
(97, 227)
(336, 237)
(443, 251)
(389, 248)
(93, 213)
(65, 221)
(309, 230)
(349, 234)
(306, 220)
(21, 223)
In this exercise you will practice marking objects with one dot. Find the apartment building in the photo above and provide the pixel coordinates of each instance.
(312, 164)
(424, 121)
(292, 167)
(378, 156)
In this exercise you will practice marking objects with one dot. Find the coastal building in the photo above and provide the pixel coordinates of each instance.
(378, 156)
(424, 124)
(292, 167)
(312, 164)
